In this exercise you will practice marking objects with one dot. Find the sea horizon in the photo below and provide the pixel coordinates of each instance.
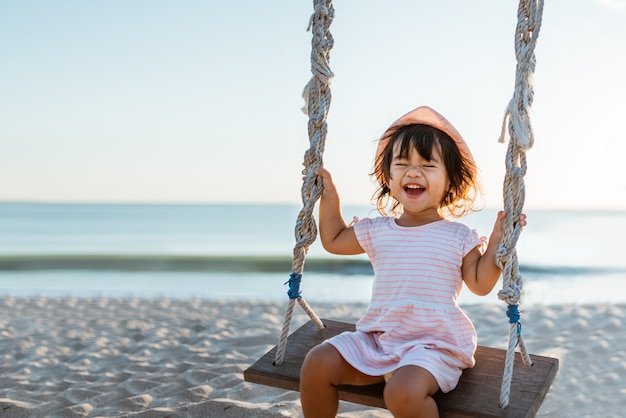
(231, 251)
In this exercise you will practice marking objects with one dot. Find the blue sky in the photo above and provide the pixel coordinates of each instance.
(199, 101)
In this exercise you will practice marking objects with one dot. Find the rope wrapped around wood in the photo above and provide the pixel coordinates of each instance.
(317, 99)
(517, 123)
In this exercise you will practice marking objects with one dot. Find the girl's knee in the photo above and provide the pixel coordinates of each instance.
(411, 390)
(320, 360)
(399, 397)
(406, 401)
(320, 354)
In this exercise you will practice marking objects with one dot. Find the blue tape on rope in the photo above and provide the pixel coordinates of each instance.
(514, 315)
(294, 286)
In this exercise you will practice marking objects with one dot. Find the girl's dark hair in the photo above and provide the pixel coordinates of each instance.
(462, 173)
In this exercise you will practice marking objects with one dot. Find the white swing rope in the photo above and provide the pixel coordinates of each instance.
(317, 103)
(517, 123)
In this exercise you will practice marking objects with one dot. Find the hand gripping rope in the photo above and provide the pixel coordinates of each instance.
(317, 102)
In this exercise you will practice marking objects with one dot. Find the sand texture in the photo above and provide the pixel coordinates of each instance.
(98, 357)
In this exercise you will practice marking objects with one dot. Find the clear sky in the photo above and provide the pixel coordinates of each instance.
(199, 101)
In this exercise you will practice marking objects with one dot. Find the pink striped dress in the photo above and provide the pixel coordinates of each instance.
(413, 317)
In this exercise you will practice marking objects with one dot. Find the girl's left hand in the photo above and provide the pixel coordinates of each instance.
(522, 220)
(497, 228)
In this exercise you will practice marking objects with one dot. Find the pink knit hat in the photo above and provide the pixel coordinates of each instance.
(424, 115)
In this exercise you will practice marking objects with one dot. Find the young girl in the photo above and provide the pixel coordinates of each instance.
(413, 336)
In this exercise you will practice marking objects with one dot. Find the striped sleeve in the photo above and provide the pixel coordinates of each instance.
(473, 240)
(363, 229)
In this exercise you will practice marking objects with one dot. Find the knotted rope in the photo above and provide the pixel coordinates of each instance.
(517, 123)
(317, 103)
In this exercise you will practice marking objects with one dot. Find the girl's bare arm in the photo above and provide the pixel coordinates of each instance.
(336, 236)
(480, 272)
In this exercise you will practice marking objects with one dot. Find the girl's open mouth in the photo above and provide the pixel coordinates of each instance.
(413, 190)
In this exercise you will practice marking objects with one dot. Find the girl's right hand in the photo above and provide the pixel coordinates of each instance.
(321, 172)
(305, 171)
(327, 180)
(324, 174)
(497, 228)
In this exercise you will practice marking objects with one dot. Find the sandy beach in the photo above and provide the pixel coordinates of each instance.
(99, 357)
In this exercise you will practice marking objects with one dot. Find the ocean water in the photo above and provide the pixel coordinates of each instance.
(243, 252)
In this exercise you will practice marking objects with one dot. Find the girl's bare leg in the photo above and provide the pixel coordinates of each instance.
(408, 394)
(322, 371)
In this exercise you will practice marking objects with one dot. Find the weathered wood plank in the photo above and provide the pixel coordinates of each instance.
(477, 394)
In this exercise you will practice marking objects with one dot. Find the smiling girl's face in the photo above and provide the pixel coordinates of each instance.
(432, 161)
(418, 183)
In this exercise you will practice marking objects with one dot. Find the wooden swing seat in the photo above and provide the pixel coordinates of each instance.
(477, 394)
